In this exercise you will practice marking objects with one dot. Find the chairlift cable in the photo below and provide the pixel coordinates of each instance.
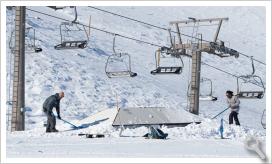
(98, 29)
(152, 44)
(135, 20)
(162, 28)
(229, 73)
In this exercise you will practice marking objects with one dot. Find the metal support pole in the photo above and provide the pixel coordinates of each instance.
(179, 37)
(18, 116)
(171, 39)
(217, 31)
(195, 82)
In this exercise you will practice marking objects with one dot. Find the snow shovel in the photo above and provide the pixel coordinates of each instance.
(220, 113)
(73, 126)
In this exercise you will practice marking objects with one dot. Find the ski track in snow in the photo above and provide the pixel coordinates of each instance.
(122, 147)
(80, 74)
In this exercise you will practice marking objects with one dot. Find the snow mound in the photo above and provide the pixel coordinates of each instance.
(101, 123)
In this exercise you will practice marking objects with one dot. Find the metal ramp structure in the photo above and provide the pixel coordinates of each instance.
(247, 79)
(147, 116)
(71, 30)
(118, 64)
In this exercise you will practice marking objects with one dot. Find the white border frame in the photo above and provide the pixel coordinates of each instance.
(265, 4)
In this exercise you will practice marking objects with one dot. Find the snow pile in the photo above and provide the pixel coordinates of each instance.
(101, 123)
(209, 129)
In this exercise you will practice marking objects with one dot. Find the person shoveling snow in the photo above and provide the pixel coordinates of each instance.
(51, 102)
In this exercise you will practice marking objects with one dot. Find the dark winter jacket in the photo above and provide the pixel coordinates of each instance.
(51, 102)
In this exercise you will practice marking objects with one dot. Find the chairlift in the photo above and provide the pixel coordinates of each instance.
(30, 41)
(263, 119)
(70, 30)
(209, 96)
(165, 53)
(119, 64)
(204, 97)
(253, 79)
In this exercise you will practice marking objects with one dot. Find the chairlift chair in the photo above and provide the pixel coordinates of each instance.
(30, 41)
(162, 54)
(172, 53)
(253, 79)
(209, 96)
(119, 64)
(69, 30)
(204, 97)
(250, 94)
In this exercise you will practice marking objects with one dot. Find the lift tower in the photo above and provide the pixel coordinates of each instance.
(194, 50)
(18, 99)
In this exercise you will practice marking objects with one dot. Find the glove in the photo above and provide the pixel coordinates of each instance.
(59, 117)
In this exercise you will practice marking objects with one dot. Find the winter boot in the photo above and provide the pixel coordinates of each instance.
(54, 130)
(47, 130)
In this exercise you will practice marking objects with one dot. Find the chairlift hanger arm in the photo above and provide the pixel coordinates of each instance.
(252, 64)
(113, 45)
(75, 20)
(217, 30)
(198, 20)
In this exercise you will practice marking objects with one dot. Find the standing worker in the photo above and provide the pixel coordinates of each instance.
(233, 103)
(48, 105)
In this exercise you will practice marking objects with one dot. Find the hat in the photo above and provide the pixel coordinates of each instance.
(229, 92)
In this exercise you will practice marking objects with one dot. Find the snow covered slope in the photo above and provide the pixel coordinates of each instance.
(80, 73)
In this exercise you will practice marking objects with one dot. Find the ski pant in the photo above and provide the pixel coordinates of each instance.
(51, 121)
(234, 115)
